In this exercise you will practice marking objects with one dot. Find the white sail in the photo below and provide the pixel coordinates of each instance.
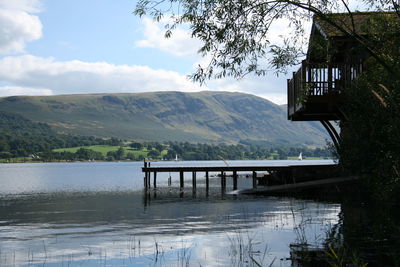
(301, 156)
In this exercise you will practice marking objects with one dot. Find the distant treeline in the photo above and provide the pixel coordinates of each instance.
(20, 137)
(185, 151)
(189, 151)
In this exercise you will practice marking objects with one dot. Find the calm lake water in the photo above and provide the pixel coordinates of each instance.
(97, 214)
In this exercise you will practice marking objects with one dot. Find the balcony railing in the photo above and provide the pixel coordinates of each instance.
(319, 81)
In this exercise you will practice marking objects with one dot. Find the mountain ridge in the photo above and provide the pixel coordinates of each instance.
(205, 116)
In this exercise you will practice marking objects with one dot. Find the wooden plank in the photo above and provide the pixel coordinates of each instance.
(228, 168)
(297, 186)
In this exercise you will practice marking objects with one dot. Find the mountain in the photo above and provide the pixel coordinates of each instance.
(167, 116)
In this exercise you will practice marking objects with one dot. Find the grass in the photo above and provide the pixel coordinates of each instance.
(16, 160)
(104, 149)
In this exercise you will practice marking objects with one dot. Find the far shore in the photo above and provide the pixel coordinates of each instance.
(29, 160)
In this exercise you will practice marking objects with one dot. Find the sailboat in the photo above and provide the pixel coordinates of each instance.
(301, 156)
(176, 157)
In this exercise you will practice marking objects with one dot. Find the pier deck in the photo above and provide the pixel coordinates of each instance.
(280, 175)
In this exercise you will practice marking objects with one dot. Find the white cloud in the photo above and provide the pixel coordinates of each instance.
(269, 87)
(179, 44)
(16, 90)
(30, 75)
(85, 77)
(30, 6)
(18, 25)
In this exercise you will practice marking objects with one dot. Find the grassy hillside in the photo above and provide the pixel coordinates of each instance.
(167, 116)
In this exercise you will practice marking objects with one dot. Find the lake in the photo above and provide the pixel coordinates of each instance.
(97, 214)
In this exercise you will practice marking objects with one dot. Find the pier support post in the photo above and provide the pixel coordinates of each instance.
(194, 181)
(155, 180)
(234, 180)
(181, 179)
(223, 181)
(254, 180)
(207, 182)
(147, 179)
(145, 174)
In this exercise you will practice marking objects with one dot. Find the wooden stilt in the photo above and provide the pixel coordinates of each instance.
(223, 181)
(281, 174)
(181, 179)
(194, 181)
(207, 182)
(145, 174)
(235, 180)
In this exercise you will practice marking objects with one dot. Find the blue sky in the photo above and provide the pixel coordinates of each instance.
(50, 47)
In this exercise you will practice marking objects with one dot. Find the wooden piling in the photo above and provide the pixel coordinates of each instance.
(235, 180)
(223, 181)
(181, 179)
(207, 182)
(283, 174)
(155, 180)
(146, 175)
(194, 181)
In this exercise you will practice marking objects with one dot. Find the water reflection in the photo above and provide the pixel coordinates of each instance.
(97, 214)
(139, 227)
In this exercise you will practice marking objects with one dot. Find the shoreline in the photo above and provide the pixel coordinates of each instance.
(128, 160)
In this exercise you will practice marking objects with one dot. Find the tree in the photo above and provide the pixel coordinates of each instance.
(116, 155)
(130, 156)
(235, 34)
(154, 154)
(159, 147)
(235, 37)
(136, 145)
(119, 154)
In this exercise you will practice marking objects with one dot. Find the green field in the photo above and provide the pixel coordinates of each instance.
(104, 149)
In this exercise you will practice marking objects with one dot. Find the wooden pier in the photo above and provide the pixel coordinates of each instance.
(265, 176)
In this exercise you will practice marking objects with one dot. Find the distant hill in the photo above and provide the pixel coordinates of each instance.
(167, 116)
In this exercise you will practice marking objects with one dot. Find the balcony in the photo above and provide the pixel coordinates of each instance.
(314, 92)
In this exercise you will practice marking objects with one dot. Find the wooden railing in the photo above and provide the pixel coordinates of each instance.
(316, 79)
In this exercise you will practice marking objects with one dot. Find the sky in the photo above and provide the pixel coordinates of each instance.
(51, 47)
